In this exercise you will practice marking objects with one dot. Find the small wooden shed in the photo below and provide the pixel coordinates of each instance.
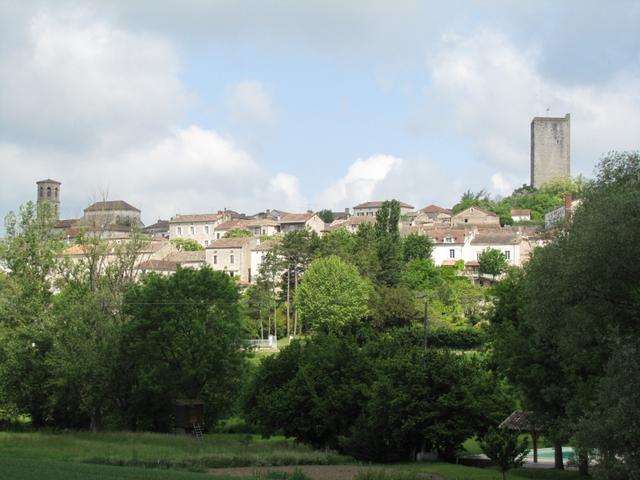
(188, 414)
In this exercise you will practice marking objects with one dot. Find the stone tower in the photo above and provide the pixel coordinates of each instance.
(49, 191)
(550, 149)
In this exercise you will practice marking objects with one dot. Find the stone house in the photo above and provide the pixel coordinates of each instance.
(198, 227)
(187, 259)
(475, 216)
(232, 256)
(293, 222)
(257, 256)
(369, 209)
(436, 215)
(350, 224)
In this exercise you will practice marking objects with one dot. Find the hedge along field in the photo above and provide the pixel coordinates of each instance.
(163, 451)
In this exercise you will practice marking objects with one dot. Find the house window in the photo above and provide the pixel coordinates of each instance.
(206, 229)
(192, 230)
(231, 274)
(232, 259)
(215, 259)
(179, 230)
(49, 192)
(452, 253)
(448, 240)
(217, 235)
(206, 243)
(466, 220)
(507, 254)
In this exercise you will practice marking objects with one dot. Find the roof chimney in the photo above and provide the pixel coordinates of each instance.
(568, 202)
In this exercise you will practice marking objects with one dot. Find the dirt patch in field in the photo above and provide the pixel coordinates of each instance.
(314, 472)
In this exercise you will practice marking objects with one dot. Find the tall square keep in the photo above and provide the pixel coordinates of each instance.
(550, 149)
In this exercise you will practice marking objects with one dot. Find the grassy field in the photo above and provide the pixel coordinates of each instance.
(77, 455)
(163, 451)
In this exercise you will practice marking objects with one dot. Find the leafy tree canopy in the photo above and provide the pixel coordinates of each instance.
(326, 215)
(492, 262)
(238, 233)
(332, 295)
(187, 244)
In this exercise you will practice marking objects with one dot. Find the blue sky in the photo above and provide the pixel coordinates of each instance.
(192, 106)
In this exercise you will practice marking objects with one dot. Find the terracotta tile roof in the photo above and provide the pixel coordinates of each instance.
(448, 263)
(439, 236)
(158, 265)
(525, 211)
(435, 209)
(297, 217)
(75, 250)
(231, 242)
(198, 217)
(261, 222)
(230, 224)
(377, 204)
(110, 205)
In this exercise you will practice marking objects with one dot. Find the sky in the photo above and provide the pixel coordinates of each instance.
(192, 106)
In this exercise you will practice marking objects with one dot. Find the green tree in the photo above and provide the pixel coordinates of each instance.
(504, 449)
(187, 244)
(389, 244)
(31, 253)
(326, 215)
(339, 242)
(415, 246)
(392, 307)
(238, 233)
(186, 340)
(492, 262)
(332, 296)
(365, 252)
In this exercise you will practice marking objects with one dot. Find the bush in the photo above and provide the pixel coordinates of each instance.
(460, 338)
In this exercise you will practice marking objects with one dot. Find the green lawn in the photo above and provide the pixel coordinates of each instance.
(460, 472)
(163, 451)
(83, 455)
(37, 469)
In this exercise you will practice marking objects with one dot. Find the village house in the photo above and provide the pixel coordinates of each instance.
(293, 222)
(560, 215)
(523, 215)
(369, 209)
(188, 259)
(508, 243)
(198, 227)
(475, 216)
(436, 215)
(350, 224)
(232, 256)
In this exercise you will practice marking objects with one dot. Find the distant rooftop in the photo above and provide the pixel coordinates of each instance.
(110, 206)
(377, 204)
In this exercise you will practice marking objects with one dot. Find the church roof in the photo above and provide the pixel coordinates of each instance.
(48, 180)
(110, 206)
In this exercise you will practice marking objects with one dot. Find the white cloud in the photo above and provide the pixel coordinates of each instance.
(77, 81)
(284, 190)
(492, 90)
(360, 181)
(249, 102)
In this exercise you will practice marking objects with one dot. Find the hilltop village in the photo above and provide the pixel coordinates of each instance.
(236, 243)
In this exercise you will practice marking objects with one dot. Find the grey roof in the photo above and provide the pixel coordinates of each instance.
(198, 217)
(186, 256)
(377, 204)
(495, 238)
(110, 205)
(48, 180)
